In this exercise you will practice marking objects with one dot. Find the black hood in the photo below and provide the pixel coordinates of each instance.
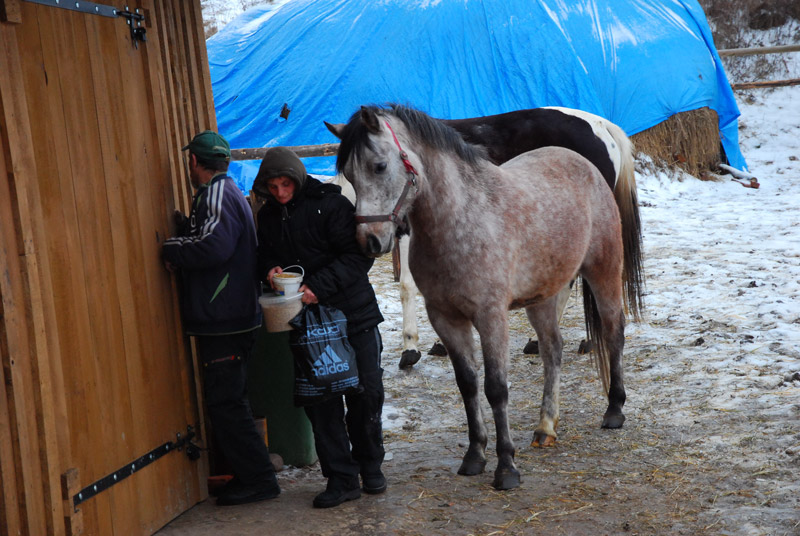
(279, 162)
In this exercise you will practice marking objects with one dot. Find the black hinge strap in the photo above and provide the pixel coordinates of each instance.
(77, 5)
(134, 18)
(192, 451)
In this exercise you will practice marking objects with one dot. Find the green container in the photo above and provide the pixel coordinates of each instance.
(270, 385)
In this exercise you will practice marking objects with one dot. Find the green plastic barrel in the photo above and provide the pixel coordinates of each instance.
(270, 385)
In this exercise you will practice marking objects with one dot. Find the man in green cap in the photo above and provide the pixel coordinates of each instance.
(215, 253)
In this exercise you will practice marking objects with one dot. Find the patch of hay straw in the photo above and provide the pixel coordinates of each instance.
(687, 140)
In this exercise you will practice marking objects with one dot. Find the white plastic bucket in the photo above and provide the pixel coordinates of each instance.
(288, 283)
(278, 310)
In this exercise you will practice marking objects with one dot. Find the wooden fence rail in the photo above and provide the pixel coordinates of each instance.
(302, 151)
(769, 83)
(758, 50)
(762, 50)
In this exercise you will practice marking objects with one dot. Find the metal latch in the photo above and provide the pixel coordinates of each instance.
(135, 20)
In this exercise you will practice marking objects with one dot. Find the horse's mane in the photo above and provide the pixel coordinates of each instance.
(355, 136)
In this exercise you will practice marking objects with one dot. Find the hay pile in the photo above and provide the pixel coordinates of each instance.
(687, 140)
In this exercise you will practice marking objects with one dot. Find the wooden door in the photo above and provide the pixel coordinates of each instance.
(98, 371)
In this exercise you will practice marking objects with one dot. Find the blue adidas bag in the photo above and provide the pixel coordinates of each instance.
(324, 361)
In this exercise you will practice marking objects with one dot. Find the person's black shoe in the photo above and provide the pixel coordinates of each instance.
(224, 488)
(243, 494)
(334, 496)
(374, 484)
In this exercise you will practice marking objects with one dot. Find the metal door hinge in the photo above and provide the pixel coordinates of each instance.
(192, 452)
(135, 18)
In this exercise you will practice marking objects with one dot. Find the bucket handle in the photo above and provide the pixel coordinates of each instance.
(302, 272)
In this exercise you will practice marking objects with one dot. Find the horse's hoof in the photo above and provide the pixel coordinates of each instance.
(531, 348)
(585, 347)
(471, 466)
(613, 420)
(542, 440)
(506, 479)
(438, 349)
(409, 358)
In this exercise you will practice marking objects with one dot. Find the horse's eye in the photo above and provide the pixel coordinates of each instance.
(380, 167)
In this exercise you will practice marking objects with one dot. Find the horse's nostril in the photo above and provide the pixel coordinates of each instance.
(373, 245)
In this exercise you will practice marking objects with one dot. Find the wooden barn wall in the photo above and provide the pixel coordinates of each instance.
(95, 371)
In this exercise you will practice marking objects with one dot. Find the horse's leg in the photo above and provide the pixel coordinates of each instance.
(456, 333)
(492, 326)
(544, 319)
(532, 347)
(408, 296)
(613, 320)
(609, 322)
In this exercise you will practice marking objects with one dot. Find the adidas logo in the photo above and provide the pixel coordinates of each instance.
(329, 363)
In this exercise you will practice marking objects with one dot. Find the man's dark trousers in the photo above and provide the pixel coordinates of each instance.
(224, 361)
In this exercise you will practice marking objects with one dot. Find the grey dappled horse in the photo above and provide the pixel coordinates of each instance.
(510, 134)
(502, 238)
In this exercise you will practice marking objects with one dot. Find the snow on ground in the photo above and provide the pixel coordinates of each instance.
(723, 262)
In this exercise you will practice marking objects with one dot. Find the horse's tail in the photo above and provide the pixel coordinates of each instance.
(628, 205)
(594, 329)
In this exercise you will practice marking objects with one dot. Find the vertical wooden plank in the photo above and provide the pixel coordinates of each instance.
(202, 87)
(145, 367)
(10, 519)
(164, 13)
(45, 395)
(175, 67)
(27, 388)
(43, 355)
(50, 74)
(94, 174)
(163, 98)
(51, 405)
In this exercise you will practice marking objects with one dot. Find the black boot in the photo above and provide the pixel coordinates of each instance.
(248, 493)
(373, 482)
(336, 493)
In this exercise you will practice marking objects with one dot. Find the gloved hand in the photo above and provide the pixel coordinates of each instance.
(181, 222)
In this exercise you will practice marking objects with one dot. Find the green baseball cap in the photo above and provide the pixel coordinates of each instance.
(210, 146)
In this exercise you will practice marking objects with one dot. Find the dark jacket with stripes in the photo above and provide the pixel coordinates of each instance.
(317, 230)
(216, 254)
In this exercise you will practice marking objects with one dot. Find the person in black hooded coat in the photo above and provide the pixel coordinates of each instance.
(308, 223)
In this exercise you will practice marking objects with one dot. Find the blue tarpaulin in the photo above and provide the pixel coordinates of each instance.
(635, 62)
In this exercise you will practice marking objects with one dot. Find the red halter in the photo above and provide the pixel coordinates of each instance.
(412, 181)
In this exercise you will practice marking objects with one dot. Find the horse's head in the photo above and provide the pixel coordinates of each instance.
(381, 172)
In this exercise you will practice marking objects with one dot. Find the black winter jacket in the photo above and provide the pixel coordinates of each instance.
(317, 230)
(216, 254)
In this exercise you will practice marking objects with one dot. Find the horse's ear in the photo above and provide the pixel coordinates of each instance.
(370, 119)
(336, 129)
